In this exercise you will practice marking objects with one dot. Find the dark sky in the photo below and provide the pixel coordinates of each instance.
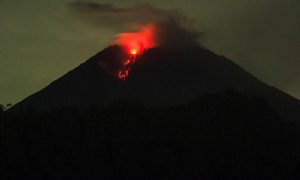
(42, 40)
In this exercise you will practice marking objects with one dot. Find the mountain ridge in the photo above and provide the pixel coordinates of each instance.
(160, 76)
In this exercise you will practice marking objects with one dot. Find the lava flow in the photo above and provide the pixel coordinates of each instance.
(124, 71)
(134, 45)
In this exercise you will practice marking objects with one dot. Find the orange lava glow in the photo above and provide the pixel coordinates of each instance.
(137, 42)
(134, 44)
(133, 51)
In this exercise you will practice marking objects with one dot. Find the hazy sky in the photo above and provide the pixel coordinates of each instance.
(43, 39)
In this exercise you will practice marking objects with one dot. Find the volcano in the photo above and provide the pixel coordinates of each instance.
(168, 113)
(159, 77)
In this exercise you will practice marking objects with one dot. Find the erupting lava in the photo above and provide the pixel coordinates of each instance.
(134, 44)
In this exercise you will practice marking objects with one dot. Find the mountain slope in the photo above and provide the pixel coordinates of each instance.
(160, 77)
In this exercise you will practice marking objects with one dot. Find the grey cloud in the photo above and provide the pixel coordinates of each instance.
(172, 28)
(170, 33)
(107, 15)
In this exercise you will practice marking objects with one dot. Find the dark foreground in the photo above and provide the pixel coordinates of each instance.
(229, 136)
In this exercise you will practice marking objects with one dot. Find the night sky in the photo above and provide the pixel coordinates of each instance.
(42, 40)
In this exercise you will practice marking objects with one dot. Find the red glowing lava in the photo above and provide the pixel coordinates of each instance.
(133, 51)
(134, 44)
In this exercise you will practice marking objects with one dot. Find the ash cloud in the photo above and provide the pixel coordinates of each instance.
(110, 16)
(170, 33)
(172, 28)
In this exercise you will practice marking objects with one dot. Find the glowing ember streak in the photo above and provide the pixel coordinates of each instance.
(124, 71)
(127, 62)
(122, 75)
(134, 44)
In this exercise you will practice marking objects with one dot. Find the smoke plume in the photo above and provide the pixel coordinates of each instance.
(152, 26)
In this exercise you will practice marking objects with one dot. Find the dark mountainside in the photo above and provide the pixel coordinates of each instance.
(180, 114)
(226, 136)
(160, 77)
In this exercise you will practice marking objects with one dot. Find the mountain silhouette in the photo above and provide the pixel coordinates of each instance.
(181, 113)
(161, 76)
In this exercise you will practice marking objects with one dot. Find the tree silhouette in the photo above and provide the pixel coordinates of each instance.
(5, 107)
(2, 108)
(8, 105)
